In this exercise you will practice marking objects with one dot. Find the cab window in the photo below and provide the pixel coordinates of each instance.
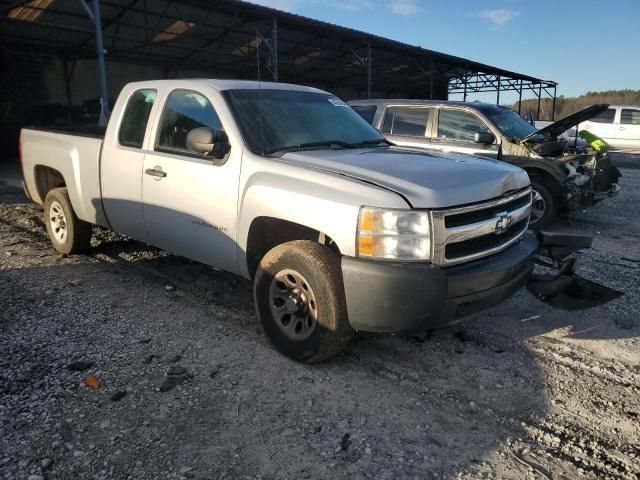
(184, 111)
(135, 118)
(630, 117)
(459, 125)
(407, 121)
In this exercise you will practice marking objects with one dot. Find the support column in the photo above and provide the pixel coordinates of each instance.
(498, 92)
(464, 98)
(369, 79)
(539, 100)
(520, 100)
(553, 108)
(274, 49)
(102, 70)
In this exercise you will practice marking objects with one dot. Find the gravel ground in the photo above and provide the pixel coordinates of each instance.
(129, 363)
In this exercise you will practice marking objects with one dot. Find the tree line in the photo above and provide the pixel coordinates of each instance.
(568, 105)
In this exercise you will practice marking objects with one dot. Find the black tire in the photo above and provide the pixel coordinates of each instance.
(317, 272)
(543, 201)
(77, 233)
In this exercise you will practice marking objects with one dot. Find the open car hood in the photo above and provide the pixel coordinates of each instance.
(564, 124)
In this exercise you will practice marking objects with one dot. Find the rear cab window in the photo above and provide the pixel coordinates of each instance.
(605, 117)
(135, 118)
(184, 111)
(459, 126)
(366, 111)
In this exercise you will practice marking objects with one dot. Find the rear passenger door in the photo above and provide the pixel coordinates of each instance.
(407, 125)
(121, 164)
(455, 132)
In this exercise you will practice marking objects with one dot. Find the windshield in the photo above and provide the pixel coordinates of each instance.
(509, 122)
(294, 120)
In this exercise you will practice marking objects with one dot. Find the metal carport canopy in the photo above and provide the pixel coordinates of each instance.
(225, 38)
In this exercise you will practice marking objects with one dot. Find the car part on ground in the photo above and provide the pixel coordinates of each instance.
(566, 289)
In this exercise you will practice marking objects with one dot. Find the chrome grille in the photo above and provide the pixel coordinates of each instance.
(466, 233)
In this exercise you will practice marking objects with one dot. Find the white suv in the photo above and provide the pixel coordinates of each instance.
(619, 126)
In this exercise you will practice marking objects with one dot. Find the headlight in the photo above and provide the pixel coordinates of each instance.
(394, 234)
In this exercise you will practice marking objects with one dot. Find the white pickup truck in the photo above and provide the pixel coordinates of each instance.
(288, 186)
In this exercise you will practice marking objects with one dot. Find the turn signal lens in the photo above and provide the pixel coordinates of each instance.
(403, 235)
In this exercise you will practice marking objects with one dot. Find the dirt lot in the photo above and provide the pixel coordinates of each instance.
(522, 391)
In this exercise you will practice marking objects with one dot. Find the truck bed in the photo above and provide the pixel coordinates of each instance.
(92, 131)
(50, 154)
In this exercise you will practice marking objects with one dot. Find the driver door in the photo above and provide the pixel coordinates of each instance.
(456, 130)
(190, 200)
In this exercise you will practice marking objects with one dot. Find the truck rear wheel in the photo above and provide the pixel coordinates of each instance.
(68, 234)
(299, 298)
(544, 206)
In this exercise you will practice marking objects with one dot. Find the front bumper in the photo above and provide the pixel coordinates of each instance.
(405, 297)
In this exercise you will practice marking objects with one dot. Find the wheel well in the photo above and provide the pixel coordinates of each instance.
(545, 177)
(268, 232)
(47, 179)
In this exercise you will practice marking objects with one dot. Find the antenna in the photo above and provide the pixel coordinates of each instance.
(260, 96)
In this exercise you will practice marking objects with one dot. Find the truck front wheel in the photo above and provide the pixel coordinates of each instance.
(543, 207)
(68, 234)
(299, 299)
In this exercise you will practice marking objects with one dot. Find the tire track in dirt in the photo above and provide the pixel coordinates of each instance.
(585, 445)
(581, 360)
(573, 443)
(596, 433)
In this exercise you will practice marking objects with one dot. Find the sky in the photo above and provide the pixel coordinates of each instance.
(584, 45)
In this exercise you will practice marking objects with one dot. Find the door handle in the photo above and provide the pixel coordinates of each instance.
(156, 172)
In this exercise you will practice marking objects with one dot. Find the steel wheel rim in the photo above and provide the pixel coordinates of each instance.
(58, 222)
(293, 305)
(538, 206)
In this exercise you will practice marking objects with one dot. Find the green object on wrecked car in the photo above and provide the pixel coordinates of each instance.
(598, 144)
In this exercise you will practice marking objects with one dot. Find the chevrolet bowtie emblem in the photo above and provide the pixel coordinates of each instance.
(503, 223)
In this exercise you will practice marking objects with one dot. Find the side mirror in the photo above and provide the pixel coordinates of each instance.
(485, 138)
(207, 142)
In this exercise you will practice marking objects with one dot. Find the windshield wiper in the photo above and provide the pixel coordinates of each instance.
(326, 143)
(302, 146)
(375, 141)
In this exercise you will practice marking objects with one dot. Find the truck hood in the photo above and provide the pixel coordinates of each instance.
(555, 129)
(424, 179)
